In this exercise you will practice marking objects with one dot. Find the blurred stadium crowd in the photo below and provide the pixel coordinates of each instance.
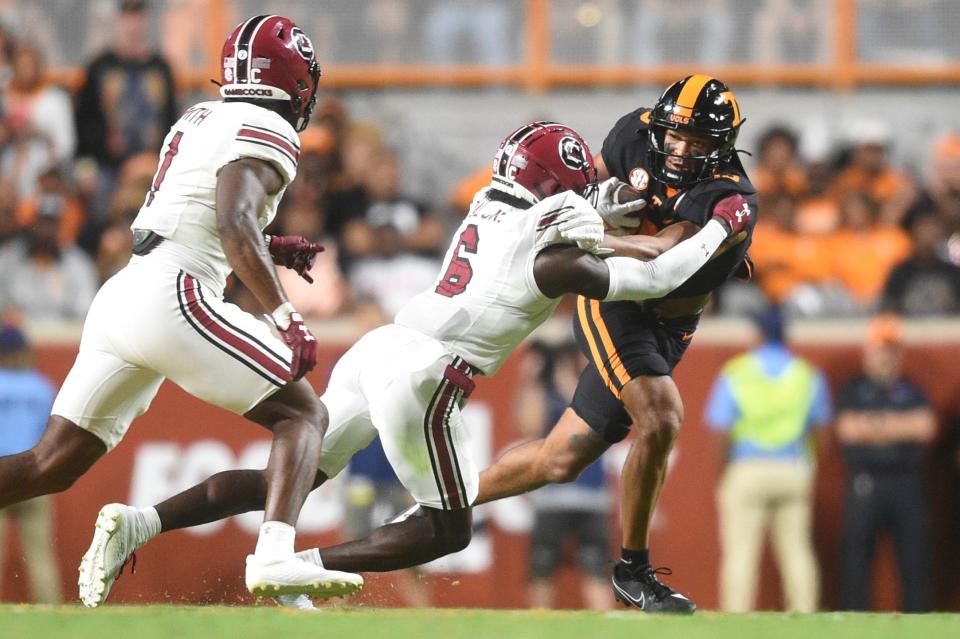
(846, 235)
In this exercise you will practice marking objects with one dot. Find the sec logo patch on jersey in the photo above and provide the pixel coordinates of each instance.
(639, 178)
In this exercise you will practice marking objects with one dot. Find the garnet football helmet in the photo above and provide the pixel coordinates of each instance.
(541, 159)
(702, 106)
(270, 58)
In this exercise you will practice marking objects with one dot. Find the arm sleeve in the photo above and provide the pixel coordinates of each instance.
(259, 136)
(721, 411)
(632, 279)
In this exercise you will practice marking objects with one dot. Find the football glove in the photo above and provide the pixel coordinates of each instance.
(615, 214)
(295, 334)
(583, 226)
(294, 252)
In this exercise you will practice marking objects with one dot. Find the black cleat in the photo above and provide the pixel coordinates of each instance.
(640, 588)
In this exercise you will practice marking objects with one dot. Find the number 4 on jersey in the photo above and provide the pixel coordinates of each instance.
(459, 272)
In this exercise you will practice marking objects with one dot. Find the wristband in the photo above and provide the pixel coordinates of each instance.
(281, 315)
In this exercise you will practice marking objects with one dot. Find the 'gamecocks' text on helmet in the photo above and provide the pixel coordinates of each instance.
(271, 58)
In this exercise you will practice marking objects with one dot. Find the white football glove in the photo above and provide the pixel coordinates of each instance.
(617, 215)
(583, 226)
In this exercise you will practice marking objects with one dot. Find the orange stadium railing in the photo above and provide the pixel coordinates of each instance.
(537, 71)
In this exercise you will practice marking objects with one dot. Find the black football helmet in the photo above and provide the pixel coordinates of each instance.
(702, 106)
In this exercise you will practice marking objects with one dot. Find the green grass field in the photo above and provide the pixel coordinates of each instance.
(182, 622)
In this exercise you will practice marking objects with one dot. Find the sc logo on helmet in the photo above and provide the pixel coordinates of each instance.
(572, 154)
(303, 44)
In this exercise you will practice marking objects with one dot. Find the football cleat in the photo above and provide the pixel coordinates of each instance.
(292, 576)
(639, 587)
(114, 540)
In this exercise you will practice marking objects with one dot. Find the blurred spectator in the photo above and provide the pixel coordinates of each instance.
(7, 47)
(778, 169)
(26, 397)
(361, 142)
(37, 122)
(792, 31)
(133, 182)
(795, 269)
(884, 425)
(328, 294)
(42, 279)
(563, 513)
(682, 31)
(864, 251)
(868, 172)
(818, 212)
(374, 495)
(53, 185)
(9, 225)
(925, 284)
(463, 192)
(113, 251)
(393, 250)
(941, 195)
(469, 32)
(126, 104)
(767, 403)
(184, 28)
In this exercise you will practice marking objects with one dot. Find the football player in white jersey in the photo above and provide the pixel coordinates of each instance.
(223, 169)
(527, 240)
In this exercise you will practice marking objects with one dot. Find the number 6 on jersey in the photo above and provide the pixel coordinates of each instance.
(458, 272)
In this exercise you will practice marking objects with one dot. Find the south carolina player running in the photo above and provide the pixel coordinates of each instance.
(222, 170)
(508, 266)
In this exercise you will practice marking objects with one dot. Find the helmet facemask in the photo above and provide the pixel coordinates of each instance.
(302, 112)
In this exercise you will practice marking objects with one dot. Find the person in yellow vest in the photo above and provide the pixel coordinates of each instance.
(768, 403)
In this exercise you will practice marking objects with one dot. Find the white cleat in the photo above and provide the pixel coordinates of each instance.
(113, 543)
(300, 603)
(292, 576)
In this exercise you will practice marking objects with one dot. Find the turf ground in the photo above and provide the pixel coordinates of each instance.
(182, 622)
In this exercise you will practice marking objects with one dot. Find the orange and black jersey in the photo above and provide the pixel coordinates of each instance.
(626, 155)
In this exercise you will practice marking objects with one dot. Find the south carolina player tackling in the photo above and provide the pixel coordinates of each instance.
(223, 169)
(528, 239)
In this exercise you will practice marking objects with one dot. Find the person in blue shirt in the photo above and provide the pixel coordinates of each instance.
(25, 400)
(767, 403)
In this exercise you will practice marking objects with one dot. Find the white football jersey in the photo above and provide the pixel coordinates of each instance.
(181, 202)
(486, 300)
